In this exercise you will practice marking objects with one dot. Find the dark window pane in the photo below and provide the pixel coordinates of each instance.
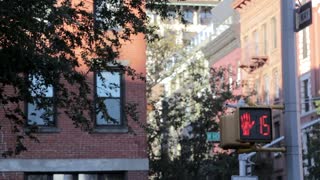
(88, 177)
(108, 85)
(108, 102)
(39, 87)
(188, 16)
(63, 177)
(110, 115)
(205, 16)
(111, 177)
(43, 94)
(306, 95)
(38, 177)
(40, 116)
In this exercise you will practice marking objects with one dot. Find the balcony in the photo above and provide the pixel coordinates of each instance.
(256, 63)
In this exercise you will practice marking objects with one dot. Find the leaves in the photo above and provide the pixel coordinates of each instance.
(311, 155)
(178, 148)
(63, 43)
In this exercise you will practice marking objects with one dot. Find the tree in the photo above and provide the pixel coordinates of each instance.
(56, 43)
(312, 154)
(161, 54)
(177, 128)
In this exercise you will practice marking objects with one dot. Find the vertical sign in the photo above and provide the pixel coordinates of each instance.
(303, 16)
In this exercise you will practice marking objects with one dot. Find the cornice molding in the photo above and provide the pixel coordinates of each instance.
(222, 45)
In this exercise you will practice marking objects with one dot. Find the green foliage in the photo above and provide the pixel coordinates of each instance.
(177, 128)
(160, 55)
(317, 104)
(312, 155)
(56, 40)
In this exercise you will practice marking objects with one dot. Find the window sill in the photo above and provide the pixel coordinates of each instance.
(45, 130)
(111, 129)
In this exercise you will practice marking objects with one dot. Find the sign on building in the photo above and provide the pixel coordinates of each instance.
(303, 16)
(213, 136)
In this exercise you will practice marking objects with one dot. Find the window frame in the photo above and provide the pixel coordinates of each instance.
(122, 127)
(265, 38)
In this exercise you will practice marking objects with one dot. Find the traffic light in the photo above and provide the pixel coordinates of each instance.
(246, 126)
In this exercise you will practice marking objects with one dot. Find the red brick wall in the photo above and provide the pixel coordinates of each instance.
(71, 142)
(11, 176)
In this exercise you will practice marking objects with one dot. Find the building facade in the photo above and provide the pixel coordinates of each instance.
(260, 23)
(261, 61)
(110, 151)
(308, 77)
(308, 62)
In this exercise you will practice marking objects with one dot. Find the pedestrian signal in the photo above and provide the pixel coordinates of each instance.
(255, 124)
(246, 126)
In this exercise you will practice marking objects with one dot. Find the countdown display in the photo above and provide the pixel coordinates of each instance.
(255, 124)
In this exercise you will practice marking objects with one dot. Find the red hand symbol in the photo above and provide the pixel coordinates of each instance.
(246, 124)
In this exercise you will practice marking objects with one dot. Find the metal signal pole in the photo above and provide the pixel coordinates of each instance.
(290, 92)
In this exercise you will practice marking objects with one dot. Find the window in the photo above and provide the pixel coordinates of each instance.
(75, 176)
(109, 98)
(205, 16)
(256, 42)
(238, 74)
(188, 16)
(304, 44)
(172, 15)
(276, 81)
(41, 109)
(266, 89)
(246, 48)
(274, 32)
(265, 43)
(306, 106)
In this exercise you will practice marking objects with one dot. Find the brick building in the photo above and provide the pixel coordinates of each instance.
(109, 152)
